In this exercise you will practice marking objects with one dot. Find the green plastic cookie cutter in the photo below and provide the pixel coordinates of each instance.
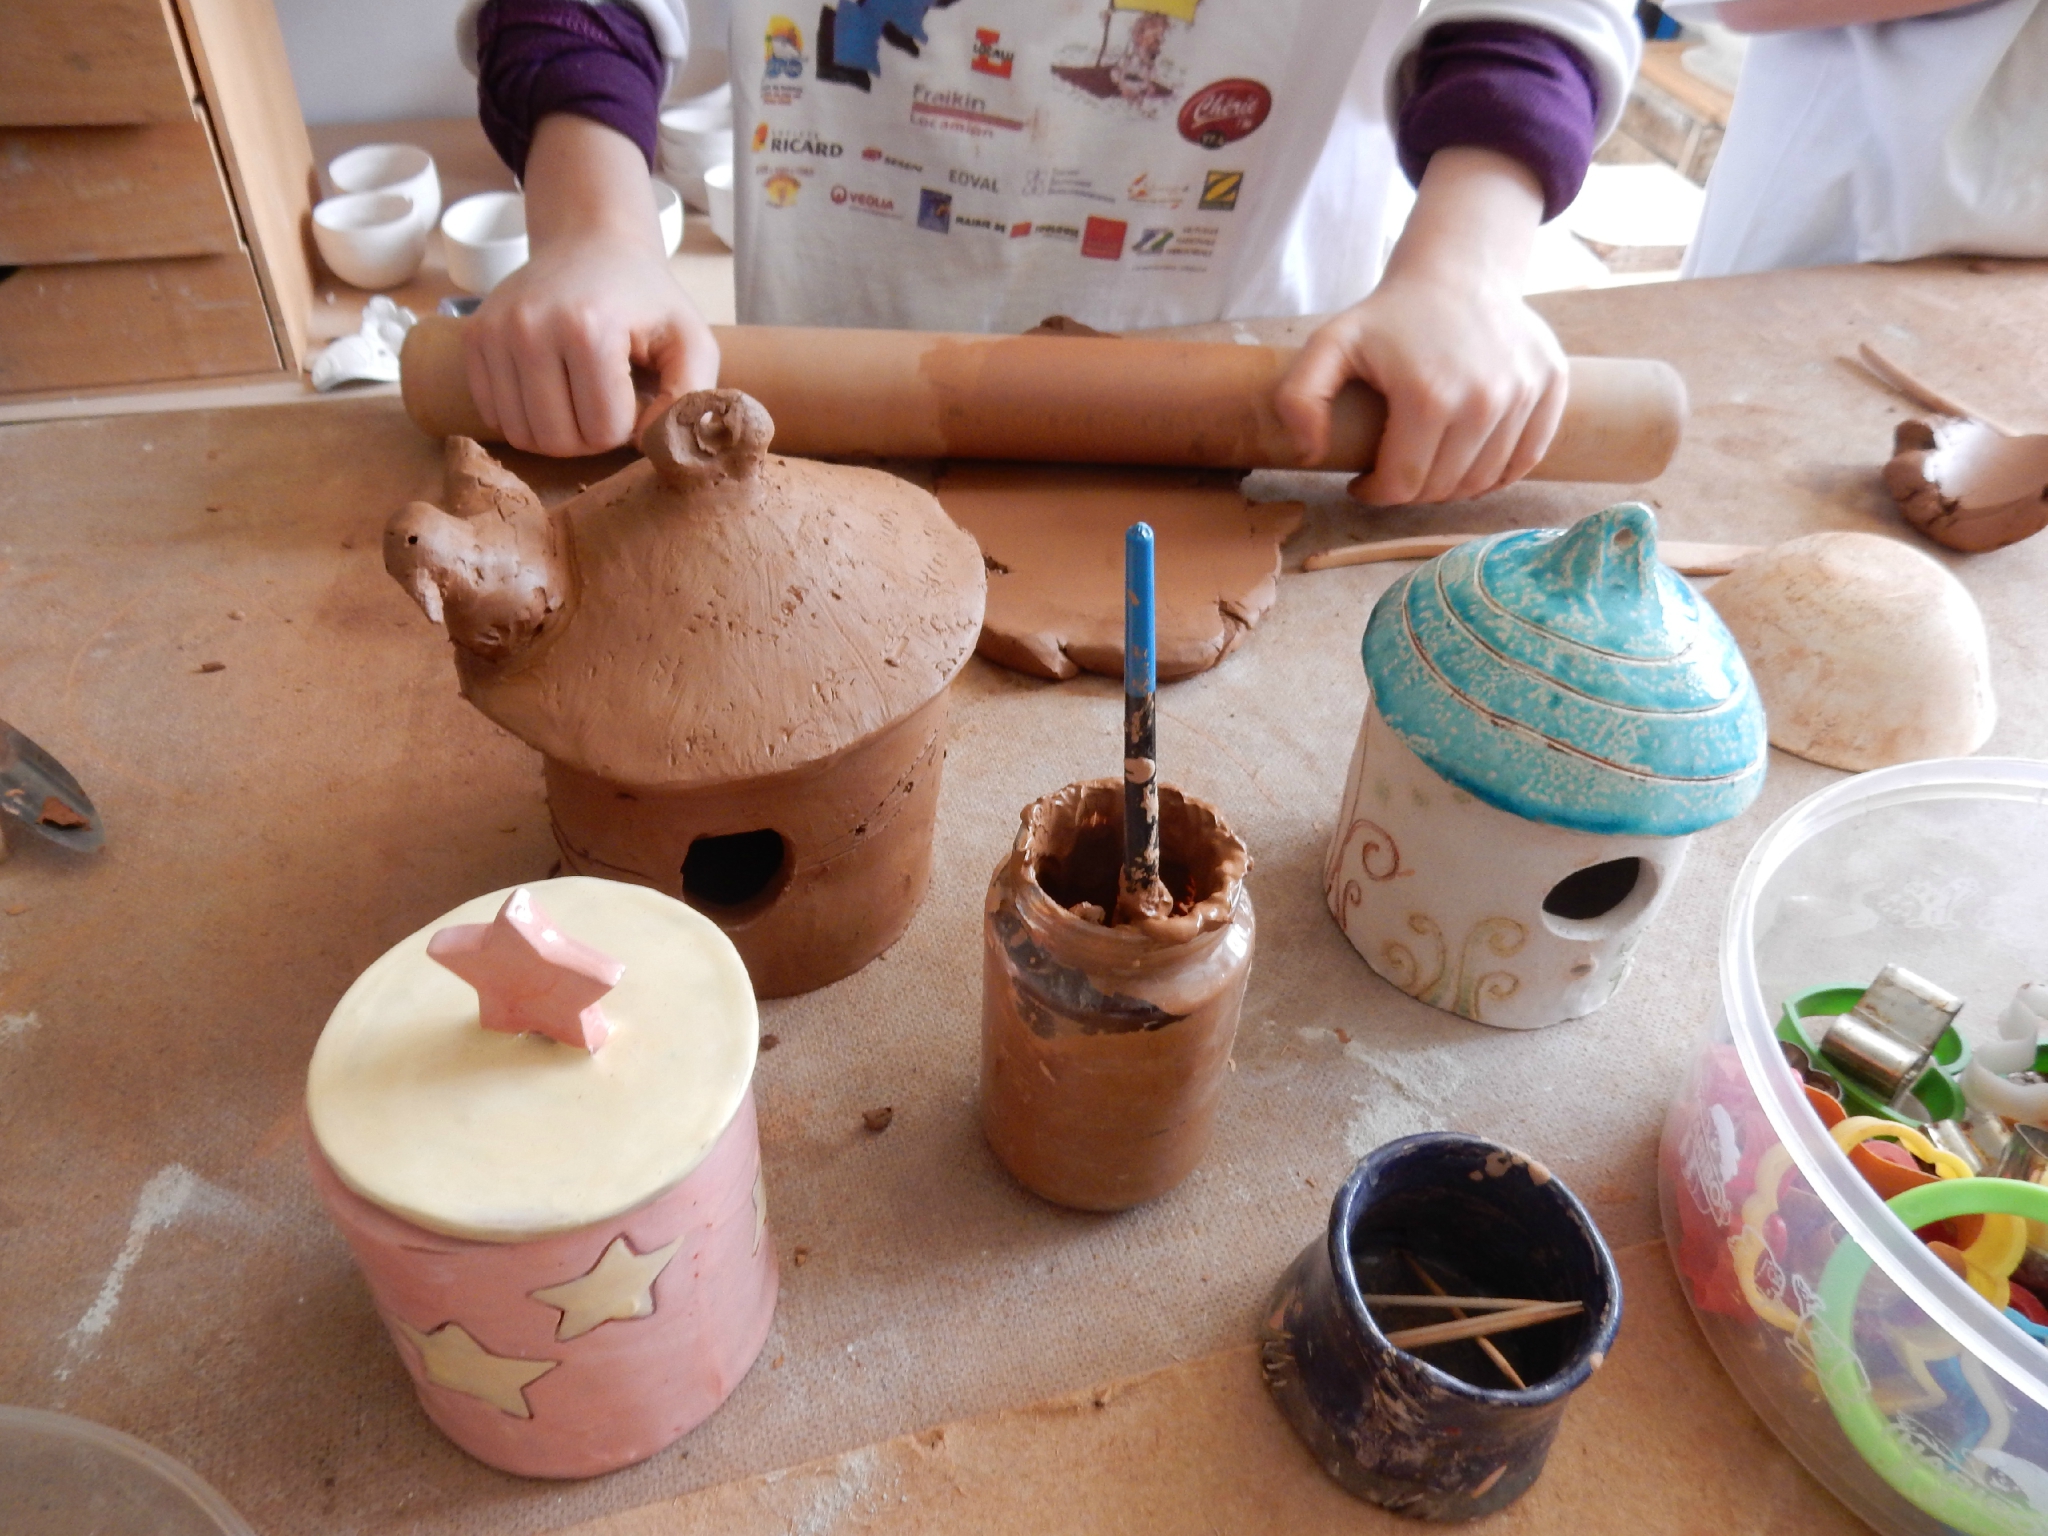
(1935, 1092)
(1941, 1492)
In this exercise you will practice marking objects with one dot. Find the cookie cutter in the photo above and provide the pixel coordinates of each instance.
(1931, 1094)
(1886, 1039)
(1924, 1482)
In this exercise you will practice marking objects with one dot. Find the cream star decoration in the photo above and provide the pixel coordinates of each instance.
(618, 1289)
(530, 976)
(454, 1360)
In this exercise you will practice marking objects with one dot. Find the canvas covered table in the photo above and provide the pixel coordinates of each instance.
(277, 822)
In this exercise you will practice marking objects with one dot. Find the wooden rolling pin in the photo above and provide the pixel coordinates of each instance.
(1080, 400)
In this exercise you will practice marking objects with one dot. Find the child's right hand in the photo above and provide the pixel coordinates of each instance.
(552, 349)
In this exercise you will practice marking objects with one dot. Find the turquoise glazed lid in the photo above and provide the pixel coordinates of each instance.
(1567, 676)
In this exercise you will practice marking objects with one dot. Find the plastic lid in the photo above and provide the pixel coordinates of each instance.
(61, 1476)
(1566, 676)
(503, 1137)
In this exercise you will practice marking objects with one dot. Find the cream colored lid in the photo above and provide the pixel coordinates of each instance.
(504, 1137)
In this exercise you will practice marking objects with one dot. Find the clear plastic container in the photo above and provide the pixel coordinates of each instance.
(61, 1476)
(1941, 867)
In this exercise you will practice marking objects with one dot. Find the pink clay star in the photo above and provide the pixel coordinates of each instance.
(530, 976)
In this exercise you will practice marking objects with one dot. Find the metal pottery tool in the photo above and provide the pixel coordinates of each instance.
(1140, 892)
(36, 791)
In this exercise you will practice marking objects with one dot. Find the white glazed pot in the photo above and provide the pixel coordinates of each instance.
(370, 240)
(1444, 895)
(484, 240)
(405, 169)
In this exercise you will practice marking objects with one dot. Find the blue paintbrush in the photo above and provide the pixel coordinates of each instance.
(1139, 892)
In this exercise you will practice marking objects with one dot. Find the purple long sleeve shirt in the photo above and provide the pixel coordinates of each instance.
(536, 57)
(1505, 86)
(1497, 85)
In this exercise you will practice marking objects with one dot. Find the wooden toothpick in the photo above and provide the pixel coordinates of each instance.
(1474, 1303)
(1492, 1350)
(1479, 1327)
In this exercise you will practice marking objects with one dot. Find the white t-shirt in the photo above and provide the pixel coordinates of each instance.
(981, 164)
(1885, 142)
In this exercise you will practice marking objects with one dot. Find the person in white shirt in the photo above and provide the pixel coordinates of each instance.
(1879, 130)
(982, 164)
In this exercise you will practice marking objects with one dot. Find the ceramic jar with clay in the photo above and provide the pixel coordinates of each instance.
(1553, 714)
(1104, 1049)
(533, 1121)
(734, 664)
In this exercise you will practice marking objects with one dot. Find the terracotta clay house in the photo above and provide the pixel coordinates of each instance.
(735, 665)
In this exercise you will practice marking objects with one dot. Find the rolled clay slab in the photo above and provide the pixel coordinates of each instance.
(1865, 651)
(1052, 539)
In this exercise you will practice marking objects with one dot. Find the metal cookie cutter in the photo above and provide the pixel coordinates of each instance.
(1886, 1041)
(1892, 1045)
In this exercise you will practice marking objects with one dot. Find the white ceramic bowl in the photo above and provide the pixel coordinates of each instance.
(403, 168)
(484, 240)
(718, 192)
(693, 140)
(370, 239)
(668, 206)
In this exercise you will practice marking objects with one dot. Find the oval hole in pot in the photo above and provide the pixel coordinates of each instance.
(1601, 899)
(736, 875)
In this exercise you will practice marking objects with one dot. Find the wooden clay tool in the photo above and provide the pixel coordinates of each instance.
(1077, 400)
(1686, 559)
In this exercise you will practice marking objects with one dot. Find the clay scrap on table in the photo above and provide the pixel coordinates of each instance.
(1967, 485)
(1052, 538)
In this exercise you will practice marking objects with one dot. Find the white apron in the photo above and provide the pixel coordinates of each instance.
(982, 164)
(1885, 142)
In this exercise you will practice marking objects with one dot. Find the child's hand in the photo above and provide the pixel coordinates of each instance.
(552, 349)
(1475, 381)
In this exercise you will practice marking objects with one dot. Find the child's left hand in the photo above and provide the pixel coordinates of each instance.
(1475, 381)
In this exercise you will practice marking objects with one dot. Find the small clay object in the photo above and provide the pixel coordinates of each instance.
(1104, 1049)
(1967, 486)
(1431, 1431)
(1552, 715)
(1055, 591)
(734, 665)
(55, 813)
(1866, 651)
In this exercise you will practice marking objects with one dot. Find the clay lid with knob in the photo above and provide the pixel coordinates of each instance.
(1569, 677)
(712, 613)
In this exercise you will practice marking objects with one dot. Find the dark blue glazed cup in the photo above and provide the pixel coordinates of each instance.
(1445, 1437)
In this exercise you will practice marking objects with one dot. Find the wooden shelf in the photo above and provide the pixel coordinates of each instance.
(155, 197)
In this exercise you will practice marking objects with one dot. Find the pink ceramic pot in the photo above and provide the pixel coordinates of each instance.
(613, 1395)
(568, 1244)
